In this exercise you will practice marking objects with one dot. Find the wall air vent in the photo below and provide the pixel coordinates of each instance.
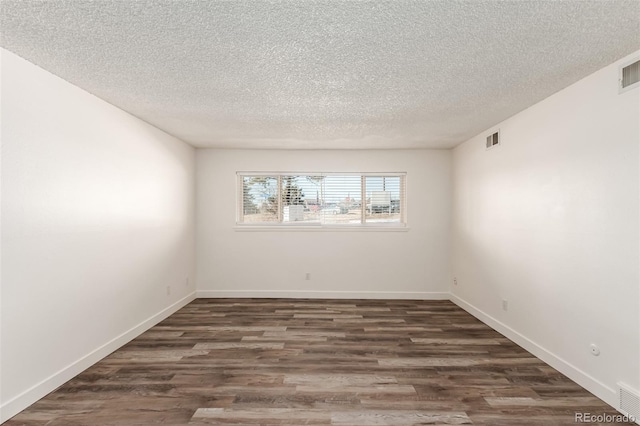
(629, 401)
(630, 75)
(493, 139)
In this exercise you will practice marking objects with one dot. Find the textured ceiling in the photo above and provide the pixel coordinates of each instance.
(321, 74)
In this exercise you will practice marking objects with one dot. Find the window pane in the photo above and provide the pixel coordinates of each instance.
(259, 199)
(298, 195)
(341, 202)
(384, 199)
(325, 199)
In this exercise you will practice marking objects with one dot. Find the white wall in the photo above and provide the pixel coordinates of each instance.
(549, 221)
(411, 264)
(97, 220)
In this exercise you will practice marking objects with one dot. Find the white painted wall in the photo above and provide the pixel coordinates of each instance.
(550, 222)
(411, 264)
(97, 220)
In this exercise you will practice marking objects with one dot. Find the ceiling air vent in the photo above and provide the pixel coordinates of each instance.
(630, 75)
(493, 140)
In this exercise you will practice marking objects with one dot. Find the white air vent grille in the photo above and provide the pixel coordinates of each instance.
(630, 76)
(493, 140)
(629, 401)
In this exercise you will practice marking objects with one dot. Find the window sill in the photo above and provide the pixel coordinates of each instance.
(321, 228)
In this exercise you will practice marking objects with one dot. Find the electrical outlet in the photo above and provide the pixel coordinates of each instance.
(186, 282)
(307, 276)
(505, 305)
(168, 290)
(455, 281)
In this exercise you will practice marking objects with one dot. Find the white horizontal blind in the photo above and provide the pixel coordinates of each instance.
(259, 199)
(321, 199)
(385, 196)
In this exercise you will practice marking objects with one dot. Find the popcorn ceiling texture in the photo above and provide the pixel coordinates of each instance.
(321, 74)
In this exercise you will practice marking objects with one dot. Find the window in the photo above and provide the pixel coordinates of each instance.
(325, 199)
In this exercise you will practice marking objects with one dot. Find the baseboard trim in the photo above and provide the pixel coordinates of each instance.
(38, 391)
(298, 294)
(24, 400)
(594, 386)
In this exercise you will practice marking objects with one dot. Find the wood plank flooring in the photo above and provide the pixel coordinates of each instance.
(317, 362)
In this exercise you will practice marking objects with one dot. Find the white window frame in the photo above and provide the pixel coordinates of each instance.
(312, 226)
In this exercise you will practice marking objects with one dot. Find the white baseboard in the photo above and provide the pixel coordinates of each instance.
(594, 386)
(22, 401)
(33, 394)
(297, 294)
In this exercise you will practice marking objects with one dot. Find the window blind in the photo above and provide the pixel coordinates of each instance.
(339, 199)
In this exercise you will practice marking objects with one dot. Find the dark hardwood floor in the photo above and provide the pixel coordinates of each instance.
(337, 362)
